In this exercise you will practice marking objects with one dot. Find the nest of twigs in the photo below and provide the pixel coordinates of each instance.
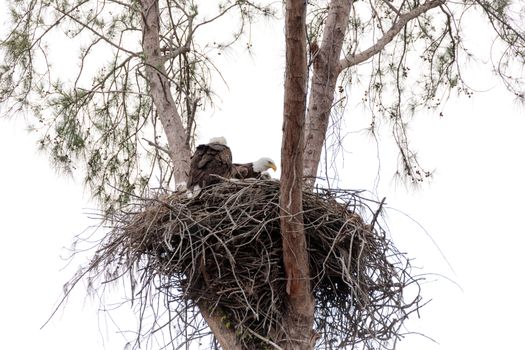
(222, 250)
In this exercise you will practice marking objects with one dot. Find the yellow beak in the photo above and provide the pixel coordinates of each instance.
(273, 166)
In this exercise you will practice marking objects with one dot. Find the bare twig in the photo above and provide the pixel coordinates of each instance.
(223, 252)
(157, 146)
(403, 19)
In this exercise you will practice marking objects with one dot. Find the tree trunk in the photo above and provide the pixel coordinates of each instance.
(298, 322)
(325, 73)
(179, 149)
(225, 336)
(328, 66)
(159, 84)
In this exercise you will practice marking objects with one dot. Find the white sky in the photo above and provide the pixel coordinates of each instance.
(472, 209)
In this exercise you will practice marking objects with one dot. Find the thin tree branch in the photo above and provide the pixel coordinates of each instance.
(175, 53)
(491, 12)
(97, 33)
(186, 47)
(389, 35)
(392, 7)
(57, 22)
(157, 146)
(216, 17)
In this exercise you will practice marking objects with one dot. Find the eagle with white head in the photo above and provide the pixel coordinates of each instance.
(255, 169)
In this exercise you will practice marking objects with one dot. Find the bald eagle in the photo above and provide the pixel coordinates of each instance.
(214, 158)
(253, 170)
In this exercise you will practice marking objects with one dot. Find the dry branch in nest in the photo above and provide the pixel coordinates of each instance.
(223, 250)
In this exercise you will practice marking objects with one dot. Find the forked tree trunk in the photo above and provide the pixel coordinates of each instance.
(327, 67)
(159, 85)
(298, 158)
(324, 78)
(179, 149)
(298, 321)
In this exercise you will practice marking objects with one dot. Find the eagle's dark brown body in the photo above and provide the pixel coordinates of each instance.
(209, 160)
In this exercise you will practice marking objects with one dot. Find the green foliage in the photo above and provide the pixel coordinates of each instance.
(422, 65)
(95, 117)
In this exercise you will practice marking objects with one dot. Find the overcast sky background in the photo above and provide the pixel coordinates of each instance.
(472, 210)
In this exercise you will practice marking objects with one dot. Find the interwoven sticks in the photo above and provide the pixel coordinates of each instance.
(223, 249)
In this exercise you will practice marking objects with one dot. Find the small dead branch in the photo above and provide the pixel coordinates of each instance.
(223, 249)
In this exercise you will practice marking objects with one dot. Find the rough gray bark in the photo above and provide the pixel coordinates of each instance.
(298, 321)
(159, 84)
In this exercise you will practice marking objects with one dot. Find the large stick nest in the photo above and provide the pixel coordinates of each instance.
(222, 250)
